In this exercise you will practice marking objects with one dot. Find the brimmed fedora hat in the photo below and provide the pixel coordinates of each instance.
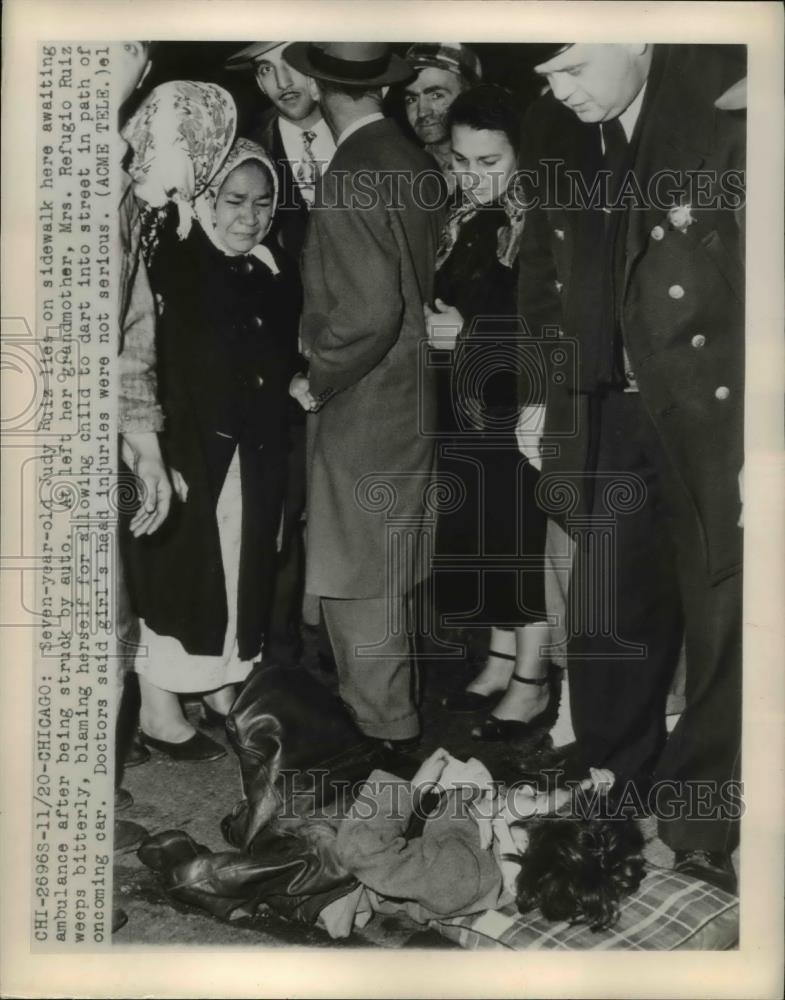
(366, 63)
(245, 58)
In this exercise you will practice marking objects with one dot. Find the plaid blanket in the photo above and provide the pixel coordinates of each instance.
(669, 911)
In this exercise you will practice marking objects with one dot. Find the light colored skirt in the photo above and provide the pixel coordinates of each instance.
(161, 659)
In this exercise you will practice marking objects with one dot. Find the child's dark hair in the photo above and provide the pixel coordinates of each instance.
(487, 107)
(579, 867)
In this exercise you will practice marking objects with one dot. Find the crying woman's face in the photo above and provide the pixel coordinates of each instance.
(244, 206)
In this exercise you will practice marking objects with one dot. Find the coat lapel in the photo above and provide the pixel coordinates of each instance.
(675, 138)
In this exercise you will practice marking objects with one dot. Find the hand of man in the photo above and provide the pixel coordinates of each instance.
(299, 389)
(142, 454)
(443, 325)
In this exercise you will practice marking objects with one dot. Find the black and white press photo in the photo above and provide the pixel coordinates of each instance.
(393, 496)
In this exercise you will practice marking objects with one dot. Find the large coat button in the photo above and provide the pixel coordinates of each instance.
(698, 340)
(676, 292)
(247, 267)
(721, 392)
(657, 233)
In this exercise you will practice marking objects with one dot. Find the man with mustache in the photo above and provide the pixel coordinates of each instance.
(443, 70)
(293, 132)
(645, 279)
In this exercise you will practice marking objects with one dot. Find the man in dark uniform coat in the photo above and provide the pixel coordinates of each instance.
(300, 145)
(368, 267)
(645, 428)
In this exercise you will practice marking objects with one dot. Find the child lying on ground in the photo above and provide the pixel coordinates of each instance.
(447, 844)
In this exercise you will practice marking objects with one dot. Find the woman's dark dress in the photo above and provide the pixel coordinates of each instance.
(479, 402)
(227, 348)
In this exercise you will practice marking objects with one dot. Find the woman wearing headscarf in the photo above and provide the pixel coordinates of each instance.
(227, 336)
(495, 531)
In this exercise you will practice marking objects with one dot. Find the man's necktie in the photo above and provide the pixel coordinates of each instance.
(307, 170)
(617, 153)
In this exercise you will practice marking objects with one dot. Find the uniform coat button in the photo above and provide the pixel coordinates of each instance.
(657, 233)
(558, 285)
(698, 340)
(257, 322)
(676, 292)
(247, 267)
(559, 234)
(722, 392)
(259, 381)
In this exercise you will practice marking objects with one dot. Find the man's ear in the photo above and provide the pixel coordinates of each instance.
(313, 88)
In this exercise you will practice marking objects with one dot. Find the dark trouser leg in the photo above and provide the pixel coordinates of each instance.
(617, 696)
(376, 684)
(704, 748)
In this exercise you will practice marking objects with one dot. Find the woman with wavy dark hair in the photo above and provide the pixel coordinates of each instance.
(495, 536)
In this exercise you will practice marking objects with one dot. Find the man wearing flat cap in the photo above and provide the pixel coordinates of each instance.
(443, 70)
(645, 279)
(368, 266)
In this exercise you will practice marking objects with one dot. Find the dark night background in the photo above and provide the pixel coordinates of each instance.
(507, 64)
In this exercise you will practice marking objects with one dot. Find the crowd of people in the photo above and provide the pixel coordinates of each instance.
(330, 322)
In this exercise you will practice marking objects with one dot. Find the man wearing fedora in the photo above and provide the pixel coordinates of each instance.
(645, 432)
(443, 70)
(368, 266)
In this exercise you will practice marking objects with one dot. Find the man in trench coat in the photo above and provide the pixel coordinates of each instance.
(644, 420)
(368, 265)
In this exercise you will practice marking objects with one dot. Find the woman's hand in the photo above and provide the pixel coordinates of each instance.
(528, 431)
(141, 452)
(179, 485)
(299, 389)
(443, 325)
(601, 777)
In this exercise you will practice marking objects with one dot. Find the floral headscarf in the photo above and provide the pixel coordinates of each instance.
(241, 152)
(180, 135)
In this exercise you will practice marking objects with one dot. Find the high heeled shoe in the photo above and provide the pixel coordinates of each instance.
(468, 702)
(495, 730)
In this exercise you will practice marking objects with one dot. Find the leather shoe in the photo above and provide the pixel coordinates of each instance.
(714, 867)
(402, 746)
(128, 836)
(136, 754)
(122, 799)
(198, 747)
